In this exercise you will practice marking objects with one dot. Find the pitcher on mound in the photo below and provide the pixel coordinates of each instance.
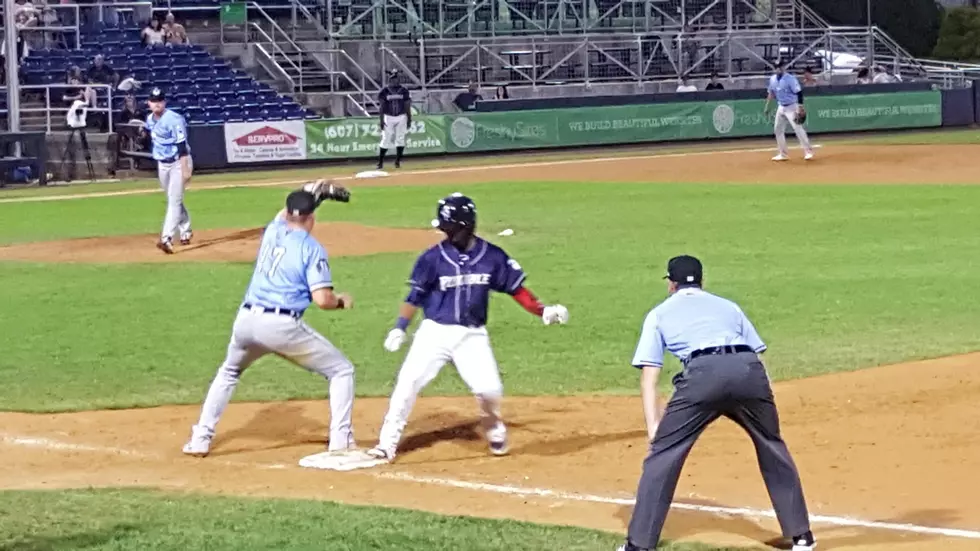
(451, 283)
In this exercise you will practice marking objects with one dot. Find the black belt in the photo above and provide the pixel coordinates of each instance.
(280, 311)
(168, 160)
(727, 349)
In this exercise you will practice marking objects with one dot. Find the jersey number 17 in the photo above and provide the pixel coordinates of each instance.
(272, 258)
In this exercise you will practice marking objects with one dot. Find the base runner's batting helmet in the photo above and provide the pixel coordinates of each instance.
(456, 217)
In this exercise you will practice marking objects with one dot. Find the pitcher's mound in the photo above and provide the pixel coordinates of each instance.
(340, 239)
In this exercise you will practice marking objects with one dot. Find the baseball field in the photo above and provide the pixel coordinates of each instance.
(859, 269)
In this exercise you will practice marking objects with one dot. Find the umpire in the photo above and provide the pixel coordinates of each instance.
(722, 376)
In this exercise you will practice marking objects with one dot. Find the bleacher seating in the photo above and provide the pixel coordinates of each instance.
(205, 89)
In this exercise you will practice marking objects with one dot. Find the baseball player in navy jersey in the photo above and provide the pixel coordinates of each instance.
(451, 283)
(396, 117)
(291, 272)
(168, 132)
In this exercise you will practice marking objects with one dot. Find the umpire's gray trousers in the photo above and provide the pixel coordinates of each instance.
(735, 386)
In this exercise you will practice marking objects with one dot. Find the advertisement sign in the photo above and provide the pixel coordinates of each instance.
(259, 142)
(361, 137)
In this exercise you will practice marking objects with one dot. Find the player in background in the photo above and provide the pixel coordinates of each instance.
(451, 283)
(168, 132)
(291, 272)
(786, 90)
(396, 118)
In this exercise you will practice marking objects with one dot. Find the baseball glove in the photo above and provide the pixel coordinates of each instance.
(801, 116)
(325, 190)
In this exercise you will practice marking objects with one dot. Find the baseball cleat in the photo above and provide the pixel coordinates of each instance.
(185, 239)
(398, 164)
(781, 157)
(629, 547)
(806, 542)
(166, 246)
(499, 447)
(808, 156)
(198, 446)
(382, 454)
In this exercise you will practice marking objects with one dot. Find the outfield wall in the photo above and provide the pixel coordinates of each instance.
(290, 142)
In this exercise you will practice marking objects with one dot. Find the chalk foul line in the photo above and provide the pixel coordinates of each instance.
(421, 172)
(48, 443)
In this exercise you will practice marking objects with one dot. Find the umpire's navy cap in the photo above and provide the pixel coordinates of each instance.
(300, 203)
(157, 95)
(685, 270)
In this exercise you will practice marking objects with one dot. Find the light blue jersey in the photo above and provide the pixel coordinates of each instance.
(785, 88)
(692, 319)
(167, 131)
(291, 265)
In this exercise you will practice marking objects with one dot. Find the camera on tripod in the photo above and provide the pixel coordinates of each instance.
(76, 121)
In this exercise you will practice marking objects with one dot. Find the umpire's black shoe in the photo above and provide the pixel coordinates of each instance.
(804, 542)
(629, 547)
(398, 164)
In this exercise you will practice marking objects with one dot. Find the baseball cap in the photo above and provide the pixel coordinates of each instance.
(300, 203)
(157, 95)
(684, 269)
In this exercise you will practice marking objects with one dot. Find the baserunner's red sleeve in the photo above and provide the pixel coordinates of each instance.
(528, 301)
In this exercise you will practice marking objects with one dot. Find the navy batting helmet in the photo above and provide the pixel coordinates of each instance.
(456, 217)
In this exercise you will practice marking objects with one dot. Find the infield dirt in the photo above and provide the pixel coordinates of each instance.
(897, 444)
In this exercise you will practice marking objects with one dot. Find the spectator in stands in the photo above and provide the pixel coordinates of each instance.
(466, 101)
(808, 79)
(75, 91)
(881, 76)
(101, 73)
(501, 93)
(713, 84)
(74, 72)
(129, 83)
(153, 34)
(130, 111)
(684, 85)
(175, 32)
(863, 76)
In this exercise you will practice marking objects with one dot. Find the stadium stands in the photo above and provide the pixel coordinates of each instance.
(206, 90)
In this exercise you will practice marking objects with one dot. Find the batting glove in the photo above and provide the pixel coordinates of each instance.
(555, 314)
(394, 340)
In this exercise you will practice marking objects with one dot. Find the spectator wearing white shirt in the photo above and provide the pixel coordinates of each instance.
(684, 86)
(153, 34)
(882, 76)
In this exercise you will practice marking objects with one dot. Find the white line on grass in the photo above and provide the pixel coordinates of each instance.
(446, 170)
(48, 443)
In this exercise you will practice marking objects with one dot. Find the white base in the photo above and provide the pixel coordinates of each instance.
(348, 460)
(371, 174)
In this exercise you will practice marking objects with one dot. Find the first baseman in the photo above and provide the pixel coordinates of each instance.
(396, 117)
(786, 90)
(722, 376)
(451, 282)
(291, 272)
(168, 132)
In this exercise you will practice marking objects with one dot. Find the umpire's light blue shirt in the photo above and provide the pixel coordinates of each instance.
(291, 265)
(167, 131)
(692, 319)
(785, 88)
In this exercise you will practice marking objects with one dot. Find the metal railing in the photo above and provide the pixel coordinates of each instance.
(290, 58)
(393, 19)
(50, 26)
(49, 101)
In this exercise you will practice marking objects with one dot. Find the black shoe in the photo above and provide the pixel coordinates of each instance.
(629, 547)
(381, 166)
(804, 542)
(398, 164)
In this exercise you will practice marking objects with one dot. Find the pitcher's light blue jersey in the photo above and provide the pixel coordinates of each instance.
(166, 133)
(291, 265)
(785, 88)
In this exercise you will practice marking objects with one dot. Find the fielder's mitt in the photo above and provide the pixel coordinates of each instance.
(325, 190)
(801, 117)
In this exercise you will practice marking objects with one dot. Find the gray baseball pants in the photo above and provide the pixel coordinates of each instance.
(177, 218)
(735, 386)
(256, 334)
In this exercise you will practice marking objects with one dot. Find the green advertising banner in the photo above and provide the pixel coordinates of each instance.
(360, 137)
(683, 121)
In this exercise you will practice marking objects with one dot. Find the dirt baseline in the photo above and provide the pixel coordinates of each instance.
(867, 443)
(340, 238)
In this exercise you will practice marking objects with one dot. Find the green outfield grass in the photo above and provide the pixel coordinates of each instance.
(835, 278)
(132, 519)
